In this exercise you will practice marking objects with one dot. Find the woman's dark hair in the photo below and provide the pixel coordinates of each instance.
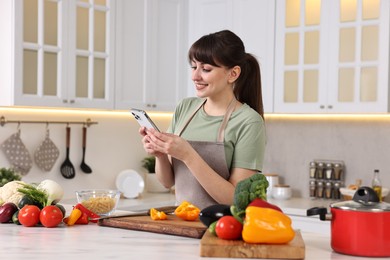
(226, 49)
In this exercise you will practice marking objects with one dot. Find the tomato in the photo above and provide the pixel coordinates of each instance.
(228, 228)
(29, 215)
(51, 216)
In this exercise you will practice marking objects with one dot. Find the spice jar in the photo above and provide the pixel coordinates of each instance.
(313, 169)
(336, 191)
(328, 190)
(338, 171)
(320, 189)
(320, 170)
(329, 171)
(312, 188)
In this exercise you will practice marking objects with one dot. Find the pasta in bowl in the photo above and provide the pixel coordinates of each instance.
(102, 202)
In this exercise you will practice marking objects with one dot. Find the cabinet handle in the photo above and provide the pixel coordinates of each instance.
(330, 106)
(71, 101)
(64, 101)
(322, 106)
(154, 105)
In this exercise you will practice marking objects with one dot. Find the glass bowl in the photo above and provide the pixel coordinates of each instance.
(102, 202)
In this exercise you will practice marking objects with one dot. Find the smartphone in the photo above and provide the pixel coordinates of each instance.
(143, 119)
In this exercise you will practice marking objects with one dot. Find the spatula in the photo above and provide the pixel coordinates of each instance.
(67, 169)
(84, 167)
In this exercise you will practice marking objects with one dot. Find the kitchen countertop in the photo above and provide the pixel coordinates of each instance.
(98, 242)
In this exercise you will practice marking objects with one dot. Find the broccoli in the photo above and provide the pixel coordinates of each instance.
(249, 189)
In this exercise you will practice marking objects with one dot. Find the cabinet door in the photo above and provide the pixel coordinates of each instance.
(300, 65)
(332, 56)
(91, 53)
(252, 20)
(151, 54)
(359, 65)
(39, 78)
(63, 53)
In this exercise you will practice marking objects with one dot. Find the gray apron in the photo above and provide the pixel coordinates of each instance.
(187, 186)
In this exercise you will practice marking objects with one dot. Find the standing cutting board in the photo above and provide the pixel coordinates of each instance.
(211, 246)
(171, 226)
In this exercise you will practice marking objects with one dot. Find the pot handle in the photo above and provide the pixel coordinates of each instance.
(366, 196)
(323, 212)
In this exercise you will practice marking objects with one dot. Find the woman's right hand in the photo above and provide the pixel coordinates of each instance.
(146, 141)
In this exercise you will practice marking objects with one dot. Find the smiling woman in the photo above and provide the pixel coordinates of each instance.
(217, 138)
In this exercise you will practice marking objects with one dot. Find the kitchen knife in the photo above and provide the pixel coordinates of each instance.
(166, 209)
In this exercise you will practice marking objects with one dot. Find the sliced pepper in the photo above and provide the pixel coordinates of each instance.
(83, 220)
(266, 225)
(187, 211)
(157, 215)
(75, 214)
(93, 217)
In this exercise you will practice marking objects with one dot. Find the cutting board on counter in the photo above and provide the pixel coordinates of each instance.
(211, 246)
(171, 226)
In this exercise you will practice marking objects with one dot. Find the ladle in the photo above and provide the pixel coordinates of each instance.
(84, 167)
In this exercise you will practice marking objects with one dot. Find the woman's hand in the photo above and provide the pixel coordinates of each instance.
(169, 144)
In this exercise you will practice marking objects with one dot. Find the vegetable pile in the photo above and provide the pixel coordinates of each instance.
(31, 204)
(251, 218)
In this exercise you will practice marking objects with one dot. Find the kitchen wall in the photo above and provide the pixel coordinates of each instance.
(113, 145)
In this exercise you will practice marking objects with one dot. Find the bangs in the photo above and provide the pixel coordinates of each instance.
(203, 51)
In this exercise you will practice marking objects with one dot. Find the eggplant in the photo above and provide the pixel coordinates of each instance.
(7, 210)
(212, 213)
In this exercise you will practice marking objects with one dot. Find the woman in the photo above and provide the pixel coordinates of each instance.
(217, 138)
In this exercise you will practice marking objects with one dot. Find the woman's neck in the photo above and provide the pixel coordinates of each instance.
(218, 107)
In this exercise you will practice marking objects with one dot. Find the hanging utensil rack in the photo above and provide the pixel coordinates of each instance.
(88, 122)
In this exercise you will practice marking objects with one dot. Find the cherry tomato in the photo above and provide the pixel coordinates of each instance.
(29, 215)
(51, 216)
(228, 228)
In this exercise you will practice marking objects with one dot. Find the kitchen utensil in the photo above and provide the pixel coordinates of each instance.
(17, 154)
(46, 154)
(166, 209)
(84, 167)
(171, 226)
(360, 226)
(67, 169)
(212, 246)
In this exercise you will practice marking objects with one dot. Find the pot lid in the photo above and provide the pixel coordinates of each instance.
(359, 206)
(365, 199)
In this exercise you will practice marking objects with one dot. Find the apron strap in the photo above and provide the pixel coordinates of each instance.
(190, 118)
(229, 111)
(221, 131)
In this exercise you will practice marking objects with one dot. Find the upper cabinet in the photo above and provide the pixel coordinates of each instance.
(251, 20)
(332, 56)
(151, 50)
(64, 53)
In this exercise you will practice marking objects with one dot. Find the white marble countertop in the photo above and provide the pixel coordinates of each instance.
(98, 242)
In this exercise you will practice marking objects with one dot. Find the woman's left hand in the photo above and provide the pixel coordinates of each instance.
(169, 144)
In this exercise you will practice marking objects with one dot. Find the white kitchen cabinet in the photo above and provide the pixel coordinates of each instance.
(151, 65)
(332, 56)
(62, 53)
(251, 20)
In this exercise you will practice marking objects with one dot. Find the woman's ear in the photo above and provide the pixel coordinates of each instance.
(234, 74)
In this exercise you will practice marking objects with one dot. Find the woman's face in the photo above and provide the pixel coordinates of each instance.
(210, 81)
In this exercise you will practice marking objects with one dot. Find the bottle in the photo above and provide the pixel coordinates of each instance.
(377, 184)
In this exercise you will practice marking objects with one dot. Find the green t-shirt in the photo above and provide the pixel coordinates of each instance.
(244, 134)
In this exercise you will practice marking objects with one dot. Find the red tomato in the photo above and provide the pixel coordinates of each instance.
(228, 228)
(51, 216)
(29, 215)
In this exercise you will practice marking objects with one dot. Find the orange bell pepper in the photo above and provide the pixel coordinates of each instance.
(157, 215)
(266, 225)
(187, 211)
(73, 217)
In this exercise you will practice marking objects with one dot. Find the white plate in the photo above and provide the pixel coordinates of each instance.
(130, 183)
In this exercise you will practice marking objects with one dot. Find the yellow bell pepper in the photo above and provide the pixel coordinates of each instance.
(75, 214)
(157, 215)
(187, 211)
(266, 225)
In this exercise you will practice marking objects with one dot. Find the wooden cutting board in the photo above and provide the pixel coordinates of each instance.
(211, 246)
(172, 226)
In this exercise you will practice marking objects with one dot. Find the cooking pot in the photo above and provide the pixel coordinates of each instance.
(359, 226)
